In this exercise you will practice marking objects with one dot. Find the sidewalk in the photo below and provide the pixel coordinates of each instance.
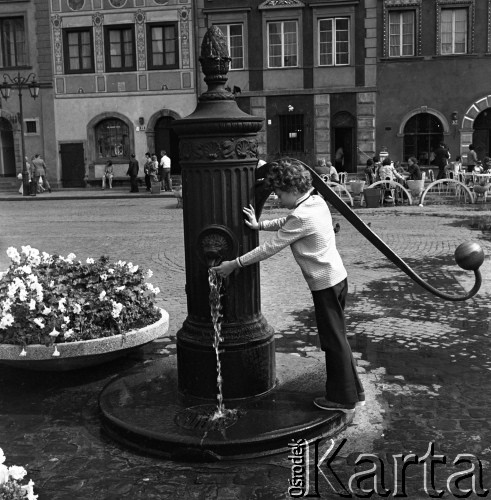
(81, 193)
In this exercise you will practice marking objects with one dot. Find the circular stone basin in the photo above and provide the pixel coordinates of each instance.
(144, 410)
(83, 353)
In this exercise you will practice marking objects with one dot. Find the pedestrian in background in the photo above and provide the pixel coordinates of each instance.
(166, 185)
(39, 172)
(442, 155)
(309, 232)
(133, 169)
(471, 159)
(146, 170)
(370, 172)
(108, 175)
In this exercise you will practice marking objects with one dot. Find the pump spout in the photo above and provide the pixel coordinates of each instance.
(469, 256)
(212, 258)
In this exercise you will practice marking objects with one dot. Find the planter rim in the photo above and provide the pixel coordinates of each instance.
(89, 347)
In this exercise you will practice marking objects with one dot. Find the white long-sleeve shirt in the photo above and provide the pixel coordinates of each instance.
(309, 233)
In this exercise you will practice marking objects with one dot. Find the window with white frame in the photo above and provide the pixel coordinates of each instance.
(454, 28)
(334, 46)
(402, 33)
(282, 44)
(234, 34)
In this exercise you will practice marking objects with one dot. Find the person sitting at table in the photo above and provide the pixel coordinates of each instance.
(486, 165)
(370, 172)
(478, 168)
(321, 168)
(414, 170)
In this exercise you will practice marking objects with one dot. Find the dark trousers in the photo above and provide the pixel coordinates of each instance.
(134, 184)
(342, 382)
(148, 182)
(167, 179)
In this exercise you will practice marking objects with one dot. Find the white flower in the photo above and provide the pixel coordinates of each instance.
(104, 277)
(132, 269)
(77, 309)
(51, 284)
(46, 310)
(61, 304)
(66, 319)
(23, 294)
(32, 305)
(2, 456)
(23, 352)
(39, 322)
(110, 271)
(149, 286)
(121, 263)
(117, 308)
(102, 295)
(29, 490)
(7, 303)
(68, 333)
(54, 333)
(4, 474)
(25, 269)
(149, 273)
(13, 255)
(71, 257)
(46, 257)
(120, 288)
(56, 352)
(17, 472)
(26, 250)
(156, 290)
(90, 261)
(7, 320)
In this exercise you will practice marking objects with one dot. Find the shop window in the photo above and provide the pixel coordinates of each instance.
(120, 48)
(401, 33)
(282, 44)
(78, 50)
(112, 139)
(334, 46)
(13, 49)
(453, 31)
(162, 46)
(422, 135)
(291, 133)
(233, 33)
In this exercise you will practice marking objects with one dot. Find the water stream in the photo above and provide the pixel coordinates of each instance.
(215, 281)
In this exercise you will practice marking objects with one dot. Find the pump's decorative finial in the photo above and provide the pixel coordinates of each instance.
(215, 63)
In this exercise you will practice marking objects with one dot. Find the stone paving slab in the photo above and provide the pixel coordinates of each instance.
(425, 362)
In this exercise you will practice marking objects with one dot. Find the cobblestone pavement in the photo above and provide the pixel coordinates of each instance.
(426, 362)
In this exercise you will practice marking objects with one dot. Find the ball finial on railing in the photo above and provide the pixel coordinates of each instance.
(469, 256)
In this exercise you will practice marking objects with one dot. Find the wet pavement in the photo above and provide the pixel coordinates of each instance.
(426, 363)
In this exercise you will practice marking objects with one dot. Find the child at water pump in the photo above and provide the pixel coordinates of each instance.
(308, 230)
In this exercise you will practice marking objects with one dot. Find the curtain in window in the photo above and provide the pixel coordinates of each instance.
(12, 42)
(454, 31)
(401, 33)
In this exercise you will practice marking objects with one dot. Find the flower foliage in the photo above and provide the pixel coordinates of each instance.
(48, 299)
(11, 482)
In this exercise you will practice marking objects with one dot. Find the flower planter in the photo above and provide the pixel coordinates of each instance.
(357, 187)
(372, 197)
(416, 187)
(84, 353)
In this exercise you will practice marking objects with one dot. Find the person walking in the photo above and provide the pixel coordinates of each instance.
(147, 166)
(309, 232)
(40, 170)
(471, 159)
(165, 164)
(133, 169)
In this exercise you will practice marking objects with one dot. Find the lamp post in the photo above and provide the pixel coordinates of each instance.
(19, 83)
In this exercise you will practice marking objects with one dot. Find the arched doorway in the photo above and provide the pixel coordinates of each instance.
(423, 132)
(481, 138)
(342, 141)
(7, 152)
(166, 139)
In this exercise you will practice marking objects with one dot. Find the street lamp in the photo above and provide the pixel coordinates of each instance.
(21, 82)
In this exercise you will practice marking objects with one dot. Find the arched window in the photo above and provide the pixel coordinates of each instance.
(112, 139)
(422, 135)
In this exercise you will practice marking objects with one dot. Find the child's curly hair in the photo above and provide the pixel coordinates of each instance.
(289, 175)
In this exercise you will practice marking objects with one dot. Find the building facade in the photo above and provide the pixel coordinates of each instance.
(123, 71)
(308, 68)
(434, 68)
(25, 49)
